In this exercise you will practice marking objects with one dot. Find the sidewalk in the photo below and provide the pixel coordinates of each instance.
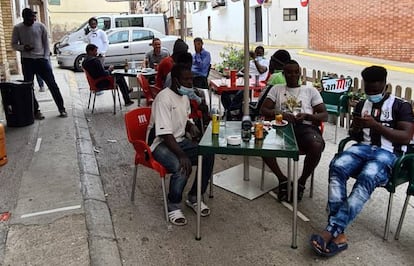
(60, 215)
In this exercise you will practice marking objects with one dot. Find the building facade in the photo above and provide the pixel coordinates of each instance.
(380, 29)
(66, 16)
(281, 23)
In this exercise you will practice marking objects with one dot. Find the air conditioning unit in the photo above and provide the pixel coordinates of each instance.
(218, 3)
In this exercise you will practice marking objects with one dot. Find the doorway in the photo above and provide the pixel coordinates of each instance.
(259, 26)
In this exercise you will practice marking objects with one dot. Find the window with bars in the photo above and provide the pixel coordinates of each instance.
(290, 14)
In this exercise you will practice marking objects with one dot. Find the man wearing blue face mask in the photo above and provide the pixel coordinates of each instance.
(169, 118)
(383, 126)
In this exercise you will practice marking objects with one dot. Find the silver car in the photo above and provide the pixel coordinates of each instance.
(124, 44)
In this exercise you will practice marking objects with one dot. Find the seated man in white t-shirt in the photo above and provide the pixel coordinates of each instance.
(258, 65)
(171, 148)
(303, 107)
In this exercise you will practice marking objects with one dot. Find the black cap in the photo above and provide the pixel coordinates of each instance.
(28, 13)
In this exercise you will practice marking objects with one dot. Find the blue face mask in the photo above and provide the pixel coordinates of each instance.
(185, 90)
(376, 98)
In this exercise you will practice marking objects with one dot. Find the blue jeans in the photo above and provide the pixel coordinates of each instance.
(43, 68)
(371, 166)
(177, 180)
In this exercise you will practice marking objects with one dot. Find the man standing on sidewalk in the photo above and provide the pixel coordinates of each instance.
(30, 38)
(98, 37)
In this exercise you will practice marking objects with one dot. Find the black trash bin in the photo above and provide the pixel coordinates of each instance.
(17, 99)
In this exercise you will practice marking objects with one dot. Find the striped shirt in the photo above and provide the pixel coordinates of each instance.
(388, 113)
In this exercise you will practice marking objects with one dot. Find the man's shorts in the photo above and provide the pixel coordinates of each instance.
(306, 134)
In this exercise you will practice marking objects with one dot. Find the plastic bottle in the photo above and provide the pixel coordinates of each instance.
(215, 123)
(246, 127)
(3, 154)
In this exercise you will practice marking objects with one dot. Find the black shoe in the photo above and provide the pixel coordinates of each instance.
(39, 116)
(301, 191)
(63, 114)
(282, 191)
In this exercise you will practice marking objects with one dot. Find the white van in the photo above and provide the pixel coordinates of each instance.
(105, 22)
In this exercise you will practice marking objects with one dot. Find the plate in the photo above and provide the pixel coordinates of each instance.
(282, 124)
(267, 123)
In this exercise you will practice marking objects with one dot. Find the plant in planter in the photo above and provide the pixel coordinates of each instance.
(356, 96)
(233, 59)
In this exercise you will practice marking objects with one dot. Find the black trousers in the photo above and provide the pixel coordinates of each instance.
(43, 68)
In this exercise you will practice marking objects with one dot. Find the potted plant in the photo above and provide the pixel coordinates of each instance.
(356, 96)
(233, 59)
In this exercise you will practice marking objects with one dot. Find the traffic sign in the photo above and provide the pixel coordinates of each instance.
(303, 3)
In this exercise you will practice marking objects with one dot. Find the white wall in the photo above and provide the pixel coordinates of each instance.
(288, 33)
(227, 23)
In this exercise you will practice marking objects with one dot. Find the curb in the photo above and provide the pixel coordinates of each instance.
(103, 247)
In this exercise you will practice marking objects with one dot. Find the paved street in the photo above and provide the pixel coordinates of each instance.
(107, 229)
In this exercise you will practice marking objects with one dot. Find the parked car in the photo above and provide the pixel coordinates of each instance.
(124, 44)
(106, 22)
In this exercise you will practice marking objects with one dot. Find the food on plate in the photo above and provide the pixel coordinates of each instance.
(279, 119)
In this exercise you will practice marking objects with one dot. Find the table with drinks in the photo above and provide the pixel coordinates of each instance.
(236, 138)
(132, 73)
(234, 84)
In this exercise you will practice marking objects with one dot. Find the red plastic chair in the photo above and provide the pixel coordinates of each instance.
(196, 114)
(149, 91)
(93, 89)
(136, 122)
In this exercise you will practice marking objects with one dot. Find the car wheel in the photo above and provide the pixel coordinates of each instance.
(78, 62)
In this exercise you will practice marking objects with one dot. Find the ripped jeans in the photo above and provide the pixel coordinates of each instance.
(371, 166)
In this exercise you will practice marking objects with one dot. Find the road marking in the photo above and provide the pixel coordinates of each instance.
(38, 142)
(290, 207)
(51, 211)
(357, 62)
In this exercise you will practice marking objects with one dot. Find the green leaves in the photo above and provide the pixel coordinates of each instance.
(357, 95)
(232, 58)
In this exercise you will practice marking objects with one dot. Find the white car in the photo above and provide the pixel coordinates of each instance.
(124, 44)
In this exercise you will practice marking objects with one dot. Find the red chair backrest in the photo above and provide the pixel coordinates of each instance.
(136, 122)
(144, 84)
(93, 82)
